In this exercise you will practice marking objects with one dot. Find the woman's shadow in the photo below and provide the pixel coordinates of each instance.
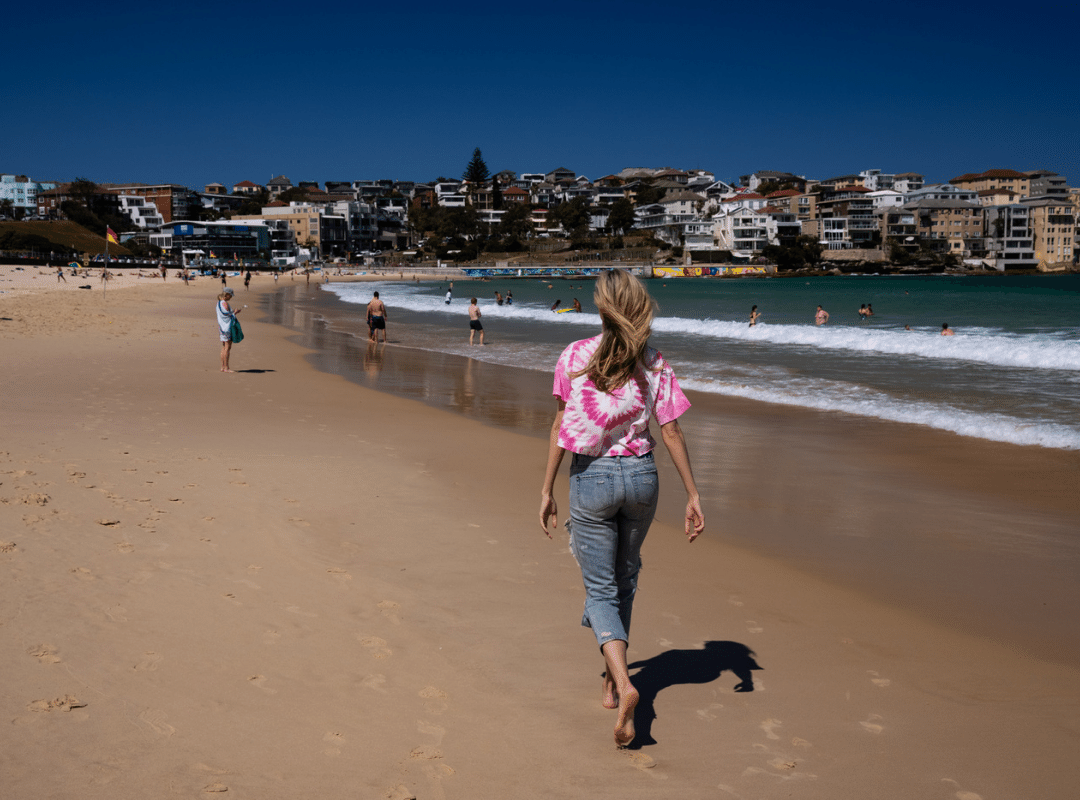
(686, 666)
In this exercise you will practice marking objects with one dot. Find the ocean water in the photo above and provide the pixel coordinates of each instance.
(1010, 374)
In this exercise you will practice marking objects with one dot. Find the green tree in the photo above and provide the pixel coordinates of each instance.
(621, 218)
(476, 173)
(647, 194)
(7, 207)
(84, 191)
(295, 194)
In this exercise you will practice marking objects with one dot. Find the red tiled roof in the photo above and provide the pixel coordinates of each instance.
(245, 184)
(990, 173)
(784, 193)
(747, 196)
(513, 190)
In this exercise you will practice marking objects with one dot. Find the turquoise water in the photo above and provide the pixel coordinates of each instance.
(1011, 373)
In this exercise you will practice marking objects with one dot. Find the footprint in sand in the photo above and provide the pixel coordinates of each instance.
(431, 729)
(707, 713)
(641, 761)
(376, 647)
(155, 720)
(335, 740)
(45, 653)
(399, 792)
(108, 523)
(768, 726)
(232, 597)
(82, 573)
(271, 637)
(116, 613)
(65, 703)
(877, 680)
(149, 662)
(374, 682)
(425, 752)
(339, 573)
(390, 610)
(872, 724)
(675, 618)
(753, 627)
(961, 794)
(124, 547)
(302, 523)
(259, 680)
(7, 547)
(435, 699)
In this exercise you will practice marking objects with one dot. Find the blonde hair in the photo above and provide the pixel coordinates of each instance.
(225, 296)
(626, 310)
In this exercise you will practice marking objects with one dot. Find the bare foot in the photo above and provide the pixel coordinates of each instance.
(228, 370)
(611, 694)
(624, 727)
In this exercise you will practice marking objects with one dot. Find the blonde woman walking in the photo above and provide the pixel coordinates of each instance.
(607, 388)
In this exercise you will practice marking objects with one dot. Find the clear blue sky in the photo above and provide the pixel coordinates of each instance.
(199, 92)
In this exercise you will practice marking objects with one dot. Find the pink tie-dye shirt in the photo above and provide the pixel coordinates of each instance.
(615, 424)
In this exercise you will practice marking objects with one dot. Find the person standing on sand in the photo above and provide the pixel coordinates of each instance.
(247, 280)
(376, 316)
(821, 317)
(607, 388)
(474, 322)
(225, 317)
(60, 275)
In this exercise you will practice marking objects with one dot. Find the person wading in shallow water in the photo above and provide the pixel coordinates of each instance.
(607, 388)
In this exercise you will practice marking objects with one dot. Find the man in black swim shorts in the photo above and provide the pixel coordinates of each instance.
(376, 318)
(474, 322)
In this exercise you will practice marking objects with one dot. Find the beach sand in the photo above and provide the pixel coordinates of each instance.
(279, 583)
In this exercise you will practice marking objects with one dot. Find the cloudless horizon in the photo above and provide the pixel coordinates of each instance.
(223, 92)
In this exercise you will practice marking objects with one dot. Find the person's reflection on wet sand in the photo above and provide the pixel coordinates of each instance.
(673, 667)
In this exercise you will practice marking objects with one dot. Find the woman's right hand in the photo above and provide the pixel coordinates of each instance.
(548, 511)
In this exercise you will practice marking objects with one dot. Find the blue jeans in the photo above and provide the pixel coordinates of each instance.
(612, 504)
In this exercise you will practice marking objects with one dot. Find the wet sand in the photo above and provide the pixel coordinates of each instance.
(280, 583)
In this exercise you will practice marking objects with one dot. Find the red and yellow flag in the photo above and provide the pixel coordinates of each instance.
(111, 236)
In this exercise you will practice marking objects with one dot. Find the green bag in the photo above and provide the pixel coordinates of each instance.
(236, 333)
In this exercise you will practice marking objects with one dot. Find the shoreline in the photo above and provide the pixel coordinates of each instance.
(217, 553)
(969, 522)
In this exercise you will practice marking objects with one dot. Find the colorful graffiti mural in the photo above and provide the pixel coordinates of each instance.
(706, 272)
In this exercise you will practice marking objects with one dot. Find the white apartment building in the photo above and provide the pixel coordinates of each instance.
(142, 211)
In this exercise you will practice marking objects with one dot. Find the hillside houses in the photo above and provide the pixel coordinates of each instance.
(1001, 217)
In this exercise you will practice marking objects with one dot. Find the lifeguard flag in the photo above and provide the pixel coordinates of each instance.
(110, 236)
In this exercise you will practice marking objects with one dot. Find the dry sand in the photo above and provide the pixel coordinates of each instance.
(278, 584)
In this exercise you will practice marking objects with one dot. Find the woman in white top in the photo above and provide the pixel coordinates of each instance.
(225, 317)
